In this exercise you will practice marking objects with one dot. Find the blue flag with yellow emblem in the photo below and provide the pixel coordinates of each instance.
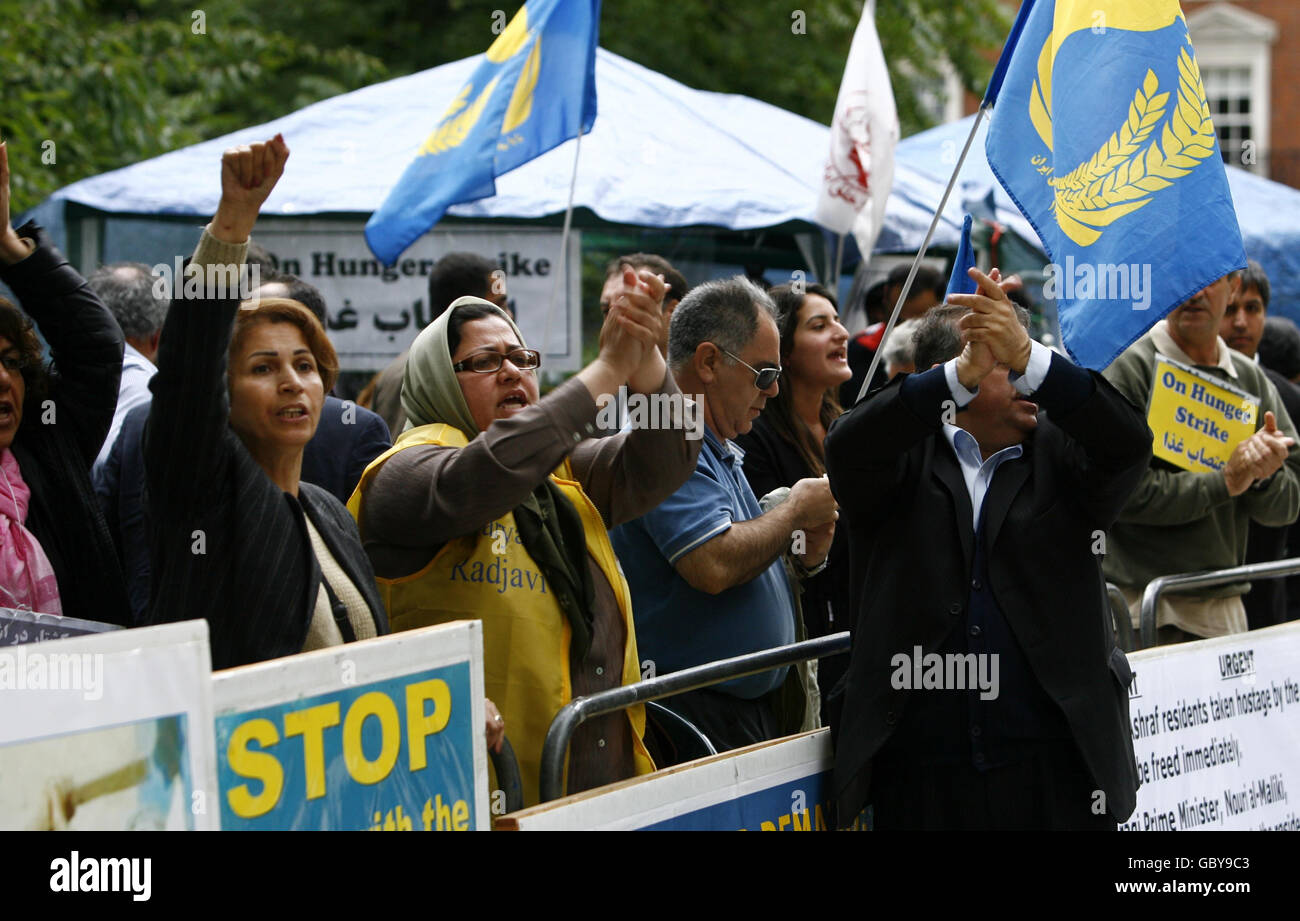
(1101, 134)
(534, 89)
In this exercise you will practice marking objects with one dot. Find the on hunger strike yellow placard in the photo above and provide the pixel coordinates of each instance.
(1197, 420)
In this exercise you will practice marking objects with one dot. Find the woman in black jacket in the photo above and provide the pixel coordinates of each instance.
(273, 564)
(56, 554)
(785, 446)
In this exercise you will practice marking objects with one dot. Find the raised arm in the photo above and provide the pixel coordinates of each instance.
(85, 341)
(185, 445)
(628, 474)
(426, 495)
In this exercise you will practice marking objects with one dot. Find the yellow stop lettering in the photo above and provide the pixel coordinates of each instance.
(311, 725)
(382, 707)
(256, 765)
(419, 725)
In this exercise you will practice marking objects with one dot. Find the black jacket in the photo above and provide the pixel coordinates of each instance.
(227, 544)
(905, 505)
(57, 443)
(347, 439)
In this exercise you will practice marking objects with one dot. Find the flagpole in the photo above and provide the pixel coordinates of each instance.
(564, 250)
(834, 281)
(916, 263)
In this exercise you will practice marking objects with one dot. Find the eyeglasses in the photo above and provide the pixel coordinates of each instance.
(488, 362)
(764, 378)
(13, 362)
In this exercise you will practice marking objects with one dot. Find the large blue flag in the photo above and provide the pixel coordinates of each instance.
(1101, 134)
(534, 89)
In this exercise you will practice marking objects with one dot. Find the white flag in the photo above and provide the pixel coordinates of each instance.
(860, 167)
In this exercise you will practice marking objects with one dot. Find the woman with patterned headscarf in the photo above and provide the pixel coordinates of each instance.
(494, 505)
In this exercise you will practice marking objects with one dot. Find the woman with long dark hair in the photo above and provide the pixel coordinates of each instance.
(785, 444)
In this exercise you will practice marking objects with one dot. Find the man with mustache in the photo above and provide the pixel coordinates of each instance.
(705, 567)
(1185, 521)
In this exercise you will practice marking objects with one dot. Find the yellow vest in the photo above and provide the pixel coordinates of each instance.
(489, 576)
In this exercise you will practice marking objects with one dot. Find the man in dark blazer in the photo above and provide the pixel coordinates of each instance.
(976, 527)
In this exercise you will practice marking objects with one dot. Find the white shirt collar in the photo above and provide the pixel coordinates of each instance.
(968, 451)
(133, 356)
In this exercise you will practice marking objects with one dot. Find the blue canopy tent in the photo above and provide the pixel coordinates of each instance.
(660, 155)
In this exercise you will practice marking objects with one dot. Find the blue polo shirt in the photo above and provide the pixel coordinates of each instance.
(678, 626)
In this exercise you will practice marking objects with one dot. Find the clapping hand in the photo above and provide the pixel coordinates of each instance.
(632, 330)
(991, 333)
(1257, 457)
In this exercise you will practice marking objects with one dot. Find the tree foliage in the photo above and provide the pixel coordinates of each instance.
(112, 82)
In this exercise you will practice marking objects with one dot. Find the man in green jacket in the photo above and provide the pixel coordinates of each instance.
(1182, 520)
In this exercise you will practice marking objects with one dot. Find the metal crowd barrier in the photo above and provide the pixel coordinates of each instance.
(581, 709)
(1119, 615)
(508, 780)
(1189, 580)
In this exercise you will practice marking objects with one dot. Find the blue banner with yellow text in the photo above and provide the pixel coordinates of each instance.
(394, 755)
(1101, 134)
(534, 89)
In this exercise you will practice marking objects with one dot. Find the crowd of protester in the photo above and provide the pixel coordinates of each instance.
(185, 458)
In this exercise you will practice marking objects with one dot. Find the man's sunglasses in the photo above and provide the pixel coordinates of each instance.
(764, 378)
(488, 362)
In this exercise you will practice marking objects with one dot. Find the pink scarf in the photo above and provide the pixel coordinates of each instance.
(26, 577)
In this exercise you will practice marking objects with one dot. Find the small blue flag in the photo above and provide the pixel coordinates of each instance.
(959, 282)
(1101, 134)
(534, 89)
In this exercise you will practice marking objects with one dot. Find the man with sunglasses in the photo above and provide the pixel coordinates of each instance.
(705, 566)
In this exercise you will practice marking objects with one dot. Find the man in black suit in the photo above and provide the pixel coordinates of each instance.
(985, 689)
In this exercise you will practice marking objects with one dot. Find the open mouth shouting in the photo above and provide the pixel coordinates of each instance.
(514, 401)
(293, 413)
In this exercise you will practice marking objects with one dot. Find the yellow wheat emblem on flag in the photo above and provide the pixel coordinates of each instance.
(457, 124)
(1121, 177)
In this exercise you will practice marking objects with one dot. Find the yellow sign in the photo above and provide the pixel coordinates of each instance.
(1197, 419)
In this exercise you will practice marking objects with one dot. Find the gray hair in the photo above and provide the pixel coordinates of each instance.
(938, 339)
(724, 312)
(127, 290)
(900, 345)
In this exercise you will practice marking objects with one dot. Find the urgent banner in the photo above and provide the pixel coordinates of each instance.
(375, 312)
(385, 734)
(1197, 420)
(773, 786)
(110, 731)
(1216, 731)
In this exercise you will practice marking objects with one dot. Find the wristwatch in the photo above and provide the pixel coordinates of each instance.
(806, 573)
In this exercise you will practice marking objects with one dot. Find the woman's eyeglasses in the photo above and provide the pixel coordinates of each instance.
(488, 362)
(12, 361)
(764, 378)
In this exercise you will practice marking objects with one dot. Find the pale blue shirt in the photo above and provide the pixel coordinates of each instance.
(977, 472)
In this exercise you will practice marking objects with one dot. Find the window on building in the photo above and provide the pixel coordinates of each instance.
(1228, 90)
